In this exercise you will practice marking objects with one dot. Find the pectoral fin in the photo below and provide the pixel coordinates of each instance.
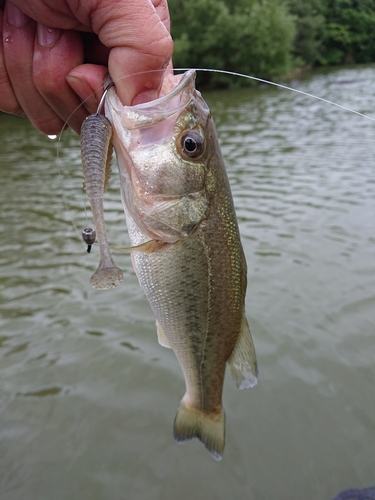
(243, 363)
(161, 336)
(149, 247)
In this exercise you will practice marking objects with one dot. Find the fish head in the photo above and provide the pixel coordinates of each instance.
(163, 151)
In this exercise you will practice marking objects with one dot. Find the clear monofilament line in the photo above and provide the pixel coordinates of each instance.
(281, 86)
(233, 73)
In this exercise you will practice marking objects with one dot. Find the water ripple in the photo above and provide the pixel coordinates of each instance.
(82, 374)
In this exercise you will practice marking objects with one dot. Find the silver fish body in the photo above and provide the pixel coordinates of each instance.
(176, 195)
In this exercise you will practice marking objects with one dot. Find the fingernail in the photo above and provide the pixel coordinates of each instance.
(47, 36)
(15, 16)
(84, 91)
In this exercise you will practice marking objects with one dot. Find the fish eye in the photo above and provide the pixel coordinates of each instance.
(192, 144)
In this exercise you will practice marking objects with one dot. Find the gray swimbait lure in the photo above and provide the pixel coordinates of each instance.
(96, 153)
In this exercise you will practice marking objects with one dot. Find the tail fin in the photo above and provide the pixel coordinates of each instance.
(208, 428)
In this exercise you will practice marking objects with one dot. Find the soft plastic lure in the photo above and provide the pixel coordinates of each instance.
(96, 153)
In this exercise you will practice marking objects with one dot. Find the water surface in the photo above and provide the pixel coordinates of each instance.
(88, 397)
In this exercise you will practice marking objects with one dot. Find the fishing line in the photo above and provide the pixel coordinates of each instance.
(285, 87)
(231, 73)
(63, 194)
(212, 70)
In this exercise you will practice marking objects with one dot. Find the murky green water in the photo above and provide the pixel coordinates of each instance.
(88, 397)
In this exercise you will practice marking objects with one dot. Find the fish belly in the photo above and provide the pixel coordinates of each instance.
(190, 288)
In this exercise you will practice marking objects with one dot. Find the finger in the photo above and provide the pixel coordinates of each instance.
(87, 82)
(18, 56)
(140, 42)
(8, 100)
(56, 53)
(161, 7)
(64, 14)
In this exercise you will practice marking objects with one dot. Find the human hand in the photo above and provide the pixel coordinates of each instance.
(55, 54)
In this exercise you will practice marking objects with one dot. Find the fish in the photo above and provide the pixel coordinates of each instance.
(96, 155)
(187, 251)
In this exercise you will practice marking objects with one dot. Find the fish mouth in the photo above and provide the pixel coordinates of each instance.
(176, 93)
(185, 79)
(163, 193)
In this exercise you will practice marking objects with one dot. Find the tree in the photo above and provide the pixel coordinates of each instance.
(350, 32)
(310, 22)
(254, 37)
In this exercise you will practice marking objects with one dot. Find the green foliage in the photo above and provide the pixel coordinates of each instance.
(268, 38)
(310, 22)
(350, 32)
(248, 36)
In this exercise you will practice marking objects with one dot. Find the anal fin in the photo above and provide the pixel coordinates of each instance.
(162, 339)
(243, 363)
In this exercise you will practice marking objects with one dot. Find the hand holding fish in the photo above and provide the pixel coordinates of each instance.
(55, 54)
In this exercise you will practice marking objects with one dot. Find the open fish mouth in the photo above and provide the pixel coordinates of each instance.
(175, 94)
(148, 140)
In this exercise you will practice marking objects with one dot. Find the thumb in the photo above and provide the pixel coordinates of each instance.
(137, 32)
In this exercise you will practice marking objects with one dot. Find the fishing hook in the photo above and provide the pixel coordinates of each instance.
(102, 99)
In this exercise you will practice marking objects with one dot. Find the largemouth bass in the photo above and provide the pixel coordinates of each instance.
(188, 259)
